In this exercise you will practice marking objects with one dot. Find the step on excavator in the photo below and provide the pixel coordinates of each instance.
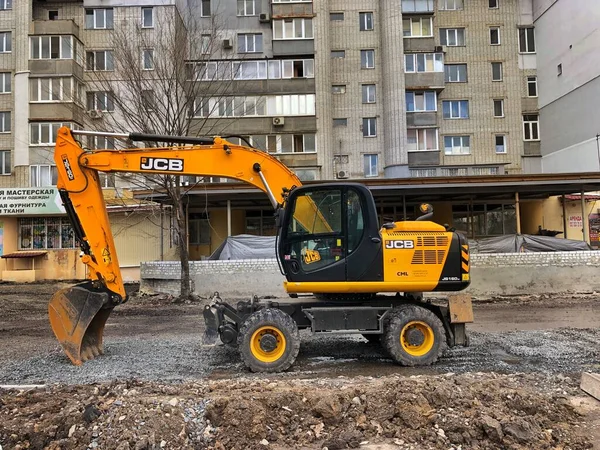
(343, 272)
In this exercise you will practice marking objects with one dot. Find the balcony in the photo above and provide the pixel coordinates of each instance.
(424, 158)
(297, 159)
(293, 47)
(283, 10)
(421, 119)
(257, 125)
(261, 87)
(418, 7)
(421, 44)
(55, 66)
(529, 104)
(424, 80)
(55, 27)
(54, 111)
(532, 148)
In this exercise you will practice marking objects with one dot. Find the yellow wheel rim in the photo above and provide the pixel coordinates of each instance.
(422, 348)
(267, 356)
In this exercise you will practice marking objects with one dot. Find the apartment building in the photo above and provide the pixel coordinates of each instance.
(568, 58)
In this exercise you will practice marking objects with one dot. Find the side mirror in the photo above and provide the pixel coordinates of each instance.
(279, 213)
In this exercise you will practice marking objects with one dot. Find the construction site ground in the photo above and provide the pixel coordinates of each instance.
(515, 387)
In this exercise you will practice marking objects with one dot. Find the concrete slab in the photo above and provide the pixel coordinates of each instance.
(590, 383)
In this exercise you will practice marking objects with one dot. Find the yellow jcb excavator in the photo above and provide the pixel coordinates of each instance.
(329, 245)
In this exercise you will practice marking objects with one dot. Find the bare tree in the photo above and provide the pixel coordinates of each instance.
(157, 80)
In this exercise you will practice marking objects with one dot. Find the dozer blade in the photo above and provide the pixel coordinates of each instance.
(211, 323)
(77, 316)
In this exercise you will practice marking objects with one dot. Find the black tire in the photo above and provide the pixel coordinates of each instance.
(372, 339)
(279, 325)
(428, 325)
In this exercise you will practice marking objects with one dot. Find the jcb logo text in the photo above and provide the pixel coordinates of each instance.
(163, 164)
(399, 244)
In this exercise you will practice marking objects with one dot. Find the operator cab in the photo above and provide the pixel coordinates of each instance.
(330, 232)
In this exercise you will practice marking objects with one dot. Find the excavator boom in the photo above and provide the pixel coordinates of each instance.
(78, 314)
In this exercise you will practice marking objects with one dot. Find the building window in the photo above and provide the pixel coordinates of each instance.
(5, 42)
(493, 4)
(101, 143)
(455, 109)
(531, 127)
(148, 59)
(5, 82)
(422, 173)
(532, 87)
(365, 20)
(52, 15)
(494, 35)
(421, 101)
(498, 108)
(338, 89)
(270, 105)
(250, 43)
(457, 145)
(450, 5)
(423, 62)
(370, 162)
(368, 93)
(422, 139)
(52, 47)
(43, 175)
(44, 133)
(336, 16)
(338, 53)
(526, 40)
(367, 59)
(287, 143)
(293, 29)
(147, 17)
(246, 7)
(452, 37)
(100, 101)
(340, 123)
(45, 233)
(101, 60)
(260, 223)
(496, 71)
(417, 6)
(199, 229)
(298, 68)
(500, 143)
(369, 127)
(204, 8)
(418, 27)
(99, 19)
(51, 90)
(5, 123)
(455, 73)
(5, 162)
(5, 4)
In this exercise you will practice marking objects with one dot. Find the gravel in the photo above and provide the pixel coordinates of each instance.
(175, 359)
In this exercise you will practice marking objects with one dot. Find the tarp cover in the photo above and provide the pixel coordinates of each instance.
(512, 243)
(245, 246)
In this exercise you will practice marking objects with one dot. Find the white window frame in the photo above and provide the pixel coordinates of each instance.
(412, 6)
(336, 16)
(338, 54)
(205, 8)
(102, 143)
(421, 138)
(445, 34)
(460, 149)
(338, 89)
(494, 4)
(53, 128)
(524, 31)
(420, 20)
(5, 42)
(499, 101)
(529, 125)
(501, 66)
(424, 94)
(369, 127)
(367, 64)
(148, 59)
(35, 180)
(5, 122)
(499, 36)
(436, 59)
(96, 14)
(144, 23)
(363, 21)
(448, 78)
(269, 106)
(99, 97)
(450, 5)
(369, 93)
(63, 50)
(65, 93)
(5, 162)
(460, 108)
(504, 144)
(302, 25)
(246, 38)
(6, 5)
(106, 58)
(371, 163)
(339, 122)
(292, 150)
(5, 82)
(246, 8)
(292, 1)
(532, 80)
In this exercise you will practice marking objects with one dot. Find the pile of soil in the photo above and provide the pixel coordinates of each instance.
(468, 411)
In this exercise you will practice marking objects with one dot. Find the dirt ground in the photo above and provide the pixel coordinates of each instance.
(515, 387)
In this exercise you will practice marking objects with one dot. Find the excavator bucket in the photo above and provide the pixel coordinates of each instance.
(77, 316)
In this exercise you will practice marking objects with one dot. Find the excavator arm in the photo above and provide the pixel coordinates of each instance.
(78, 314)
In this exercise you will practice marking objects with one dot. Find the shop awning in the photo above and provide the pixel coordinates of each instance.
(25, 254)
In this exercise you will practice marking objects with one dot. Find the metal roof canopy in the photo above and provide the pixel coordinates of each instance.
(414, 190)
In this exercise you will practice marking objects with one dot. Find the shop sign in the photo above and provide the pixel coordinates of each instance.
(30, 201)
(575, 221)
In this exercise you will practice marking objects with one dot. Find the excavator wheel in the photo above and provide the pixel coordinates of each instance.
(269, 341)
(414, 336)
